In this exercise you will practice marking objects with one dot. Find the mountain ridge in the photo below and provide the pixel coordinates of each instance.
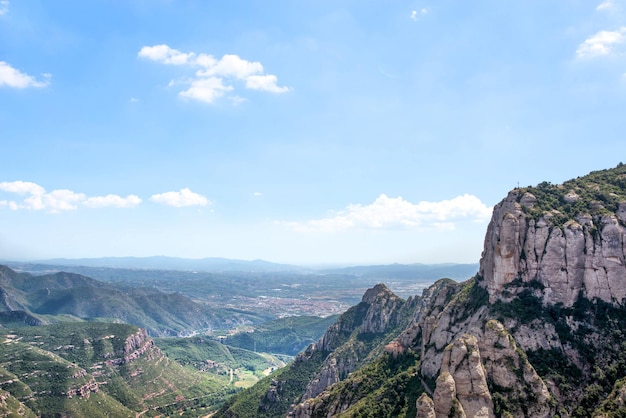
(518, 339)
(38, 299)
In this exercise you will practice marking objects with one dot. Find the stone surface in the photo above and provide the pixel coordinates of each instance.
(425, 407)
(584, 255)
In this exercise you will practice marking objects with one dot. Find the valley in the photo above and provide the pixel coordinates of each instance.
(203, 336)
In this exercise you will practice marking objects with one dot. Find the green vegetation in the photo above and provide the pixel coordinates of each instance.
(597, 193)
(288, 335)
(614, 406)
(597, 337)
(472, 296)
(287, 385)
(212, 357)
(387, 387)
(93, 369)
(66, 296)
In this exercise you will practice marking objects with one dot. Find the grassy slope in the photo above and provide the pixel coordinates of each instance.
(83, 298)
(47, 362)
(288, 335)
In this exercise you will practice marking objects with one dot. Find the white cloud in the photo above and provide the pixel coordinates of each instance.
(4, 7)
(214, 78)
(393, 213)
(265, 83)
(602, 43)
(55, 201)
(59, 200)
(112, 200)
(184, 197)
(21, 187)
(165, 54)
(12, 77)
(206, 89)
(607, 4)
(230, 66)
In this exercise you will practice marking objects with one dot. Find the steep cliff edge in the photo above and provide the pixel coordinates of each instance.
(567, 253)
(538, 332)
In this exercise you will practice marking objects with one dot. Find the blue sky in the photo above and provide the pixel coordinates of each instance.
(306, 132)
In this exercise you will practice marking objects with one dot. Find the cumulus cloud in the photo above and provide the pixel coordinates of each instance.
(182, 198)
(165, 54)
(393, 213)
(21, 187)
(4, 7)
(113, 200)
(213, 77)
(602, 43)
(206, 89)
(12, 77)
(265, 83)
(59, 200)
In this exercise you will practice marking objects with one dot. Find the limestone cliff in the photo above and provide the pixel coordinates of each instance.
(379, 311)
(570, 246)
(538, 332)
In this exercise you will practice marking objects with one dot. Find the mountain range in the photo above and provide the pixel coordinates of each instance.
(55, 297)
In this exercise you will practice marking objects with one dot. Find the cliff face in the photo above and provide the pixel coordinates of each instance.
(379, 311)
(538, 332)
(585, 254)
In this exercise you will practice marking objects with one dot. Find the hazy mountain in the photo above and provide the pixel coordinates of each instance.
(409, 271)
(68, 296)
(173, 263)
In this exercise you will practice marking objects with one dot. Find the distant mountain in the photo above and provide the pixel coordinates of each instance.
(410, 271)
(213, 264)
(222, 265)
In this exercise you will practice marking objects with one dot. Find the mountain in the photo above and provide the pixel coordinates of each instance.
(38, 300)
(288, 335)
(214, 264)
(538, 332)
(409, 271)
(97, 370)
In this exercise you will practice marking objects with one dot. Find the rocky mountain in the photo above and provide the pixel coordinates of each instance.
(537, 332)
(95, 370)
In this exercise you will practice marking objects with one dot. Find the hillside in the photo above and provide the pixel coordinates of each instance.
(48, 298)
(538, 332)
(288, 335)
(96, 370)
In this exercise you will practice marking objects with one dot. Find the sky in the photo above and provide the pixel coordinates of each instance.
(303, 132)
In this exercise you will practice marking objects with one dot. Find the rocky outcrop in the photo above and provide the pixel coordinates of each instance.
(462, 382)
(135, 346)
(509, 371)
(379, 310)
(425, 407)
(584, 255)
(85, 390)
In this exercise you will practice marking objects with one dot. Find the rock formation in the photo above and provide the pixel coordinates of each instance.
(538, 332)
(585, 254)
